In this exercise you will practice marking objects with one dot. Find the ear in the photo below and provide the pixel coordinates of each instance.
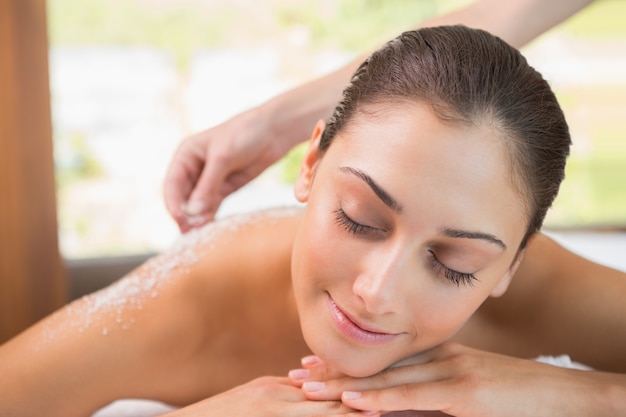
(503, 285)
(304, 181)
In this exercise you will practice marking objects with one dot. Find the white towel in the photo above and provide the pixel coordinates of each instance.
(563, 361)
(134, 408)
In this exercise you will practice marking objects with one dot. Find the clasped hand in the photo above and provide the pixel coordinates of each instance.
(458, 381)
(448, 380)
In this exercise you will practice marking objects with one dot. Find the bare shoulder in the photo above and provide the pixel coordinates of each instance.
(230, 259)
(558, 302)
(244, 242)
(236, 279)
(226, 256)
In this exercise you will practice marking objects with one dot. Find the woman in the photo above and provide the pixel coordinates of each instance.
(424, 193)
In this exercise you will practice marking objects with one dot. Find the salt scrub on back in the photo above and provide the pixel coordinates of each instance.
(129, 295)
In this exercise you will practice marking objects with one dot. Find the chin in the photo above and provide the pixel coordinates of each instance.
(354, 362)
(356, 367)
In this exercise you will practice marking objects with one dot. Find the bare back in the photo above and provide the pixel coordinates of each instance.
(218, 310)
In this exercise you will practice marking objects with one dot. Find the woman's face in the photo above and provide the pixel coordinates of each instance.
(410, 225)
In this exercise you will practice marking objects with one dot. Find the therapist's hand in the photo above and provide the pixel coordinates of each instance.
(465, 382)
(210, 165)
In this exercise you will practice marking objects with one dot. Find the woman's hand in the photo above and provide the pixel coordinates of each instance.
(315, 371)
(465, 382)
(265, 397)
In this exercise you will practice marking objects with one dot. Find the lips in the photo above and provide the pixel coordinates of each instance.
(356, 331)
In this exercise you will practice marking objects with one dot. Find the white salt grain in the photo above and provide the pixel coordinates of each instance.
(132, 292)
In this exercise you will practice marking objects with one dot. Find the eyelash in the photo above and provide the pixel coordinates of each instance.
(451, 275)
(351, 226)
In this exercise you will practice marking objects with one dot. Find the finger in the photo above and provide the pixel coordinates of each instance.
(317, 389)
(319, 369)
(183, 173)
(236, 180)
(311, 361)
(428, 396)
(178, 184)
(297, 377)
(313, 369)
(291, 401)
(206, 197)
(301, 405)
(324, 408)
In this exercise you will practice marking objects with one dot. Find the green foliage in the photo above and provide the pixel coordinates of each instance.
(182, 27)
(290, 163)
(178, 28)
(594, 188)
(592, 194)
(357, 25)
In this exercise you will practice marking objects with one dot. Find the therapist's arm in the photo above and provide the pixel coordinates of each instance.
(210, 165)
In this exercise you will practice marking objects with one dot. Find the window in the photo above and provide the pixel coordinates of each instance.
(585, 62)
(131, 78)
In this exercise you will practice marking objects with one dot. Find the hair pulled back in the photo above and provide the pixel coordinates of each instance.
(471, 77)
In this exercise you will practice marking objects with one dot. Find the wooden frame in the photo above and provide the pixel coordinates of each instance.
(32, 278)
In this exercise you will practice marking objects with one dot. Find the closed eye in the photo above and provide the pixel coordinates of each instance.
(353, 227)
(451, 275)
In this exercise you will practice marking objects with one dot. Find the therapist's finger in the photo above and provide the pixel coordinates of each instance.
(205, 197)
(178, 184)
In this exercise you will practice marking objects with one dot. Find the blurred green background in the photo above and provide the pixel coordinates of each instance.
(594, 193)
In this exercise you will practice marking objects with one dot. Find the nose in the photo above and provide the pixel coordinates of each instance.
(382, 283)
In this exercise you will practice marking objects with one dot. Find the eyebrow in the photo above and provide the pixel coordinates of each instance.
(393, 204)
(384, 196)
(463, 234)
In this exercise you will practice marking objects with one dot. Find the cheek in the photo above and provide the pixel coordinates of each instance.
(325, 255)
(440, 314)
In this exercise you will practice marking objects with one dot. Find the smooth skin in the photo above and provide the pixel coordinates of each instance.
(387, 287)
(389, 274)
(461, 381)
(169, 354)
(206, 323)
(211, 164)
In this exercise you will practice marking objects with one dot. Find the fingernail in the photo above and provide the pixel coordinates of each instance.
(195, 207)
(310, 361)
(350, 395)
(195, 220)
(299, 373)
(311, 386)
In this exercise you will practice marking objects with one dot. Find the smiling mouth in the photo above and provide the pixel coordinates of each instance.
(356, 331)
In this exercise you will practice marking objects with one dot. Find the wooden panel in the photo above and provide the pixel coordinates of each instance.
(89, 275)
(32, 280)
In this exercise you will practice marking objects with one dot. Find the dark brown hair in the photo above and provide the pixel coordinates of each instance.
(470, 77)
